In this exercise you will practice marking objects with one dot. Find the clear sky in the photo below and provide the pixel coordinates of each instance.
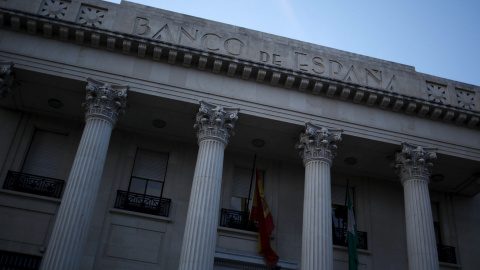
(437, 37)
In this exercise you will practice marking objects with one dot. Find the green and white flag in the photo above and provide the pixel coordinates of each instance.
(352, 237)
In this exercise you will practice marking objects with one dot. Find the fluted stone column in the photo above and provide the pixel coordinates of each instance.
(214, 126)
(317, 148)
(6, 78)
(104, 102)
(413, 167)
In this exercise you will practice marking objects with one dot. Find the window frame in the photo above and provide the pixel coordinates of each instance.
(132, 176)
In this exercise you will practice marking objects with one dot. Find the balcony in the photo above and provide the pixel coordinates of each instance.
(237, 220)
(34, 184)
(340, 238)
(446, 254)
(14, 261)
(142, 203)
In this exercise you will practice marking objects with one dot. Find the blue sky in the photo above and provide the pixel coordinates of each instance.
(440, 37)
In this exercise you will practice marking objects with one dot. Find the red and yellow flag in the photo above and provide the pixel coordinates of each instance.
(262, 215)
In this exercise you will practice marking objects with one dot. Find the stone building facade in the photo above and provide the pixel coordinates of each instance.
(128, 136)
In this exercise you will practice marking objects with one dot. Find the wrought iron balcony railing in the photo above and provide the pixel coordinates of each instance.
(17, 261)
(34, 184)
(446, 254)
(237, 220)
(142, 203)
(340, 238)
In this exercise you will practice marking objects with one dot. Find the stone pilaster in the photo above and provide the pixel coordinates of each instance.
(104, 102)
(6, 78)
(413, 167)
(214, 126)
(317, 148)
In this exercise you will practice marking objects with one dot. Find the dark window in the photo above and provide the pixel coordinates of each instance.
(145, 190)
(241, 199)
(339, 208)
(339, 218)
(243, 189)
(436, 224)
(148, 175)
(45, 154)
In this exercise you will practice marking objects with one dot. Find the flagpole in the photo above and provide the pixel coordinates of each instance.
(346, 194)
(346, 190)
(250, 189)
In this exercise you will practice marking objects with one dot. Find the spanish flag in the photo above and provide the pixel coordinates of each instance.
(262, 215)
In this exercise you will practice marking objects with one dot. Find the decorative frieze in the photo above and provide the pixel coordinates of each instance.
(105, 100)
(91, 16)
(6, 78)
(215, 122)
(437, 93)
(317, 88)
(318, 143)
(414, 162)
(54, 8)
(431, 105)
(466, 99)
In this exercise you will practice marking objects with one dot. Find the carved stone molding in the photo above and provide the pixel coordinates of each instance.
(105, 100)
(437, 93)
(215, 122)
(318, 143)
(414, 162)
(54, 8)
(91, 16)
(6, 78)
(466, 99)
(434, 105)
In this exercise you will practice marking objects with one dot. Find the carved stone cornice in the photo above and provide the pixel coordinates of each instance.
(318, 143)
(414, 162)
(6, 78)
(215, 122)
(228, 65)
(105, 100)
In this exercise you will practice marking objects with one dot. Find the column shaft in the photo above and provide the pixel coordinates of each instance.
(74, 217)
(198, 248)
(317, 148)
(413, 165)
(65, 249)
(421, 244)
(214, 126)
(317, 247)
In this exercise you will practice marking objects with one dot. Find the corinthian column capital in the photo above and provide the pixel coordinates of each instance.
(318, 143)
(215, 122)
(105, 100)
(414, 162)
(6, 78)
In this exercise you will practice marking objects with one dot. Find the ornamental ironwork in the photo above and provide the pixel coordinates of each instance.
(34, 184)
(142, 203)
(340, 238)
(7, 78)
(237, 220)
(13, 260)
